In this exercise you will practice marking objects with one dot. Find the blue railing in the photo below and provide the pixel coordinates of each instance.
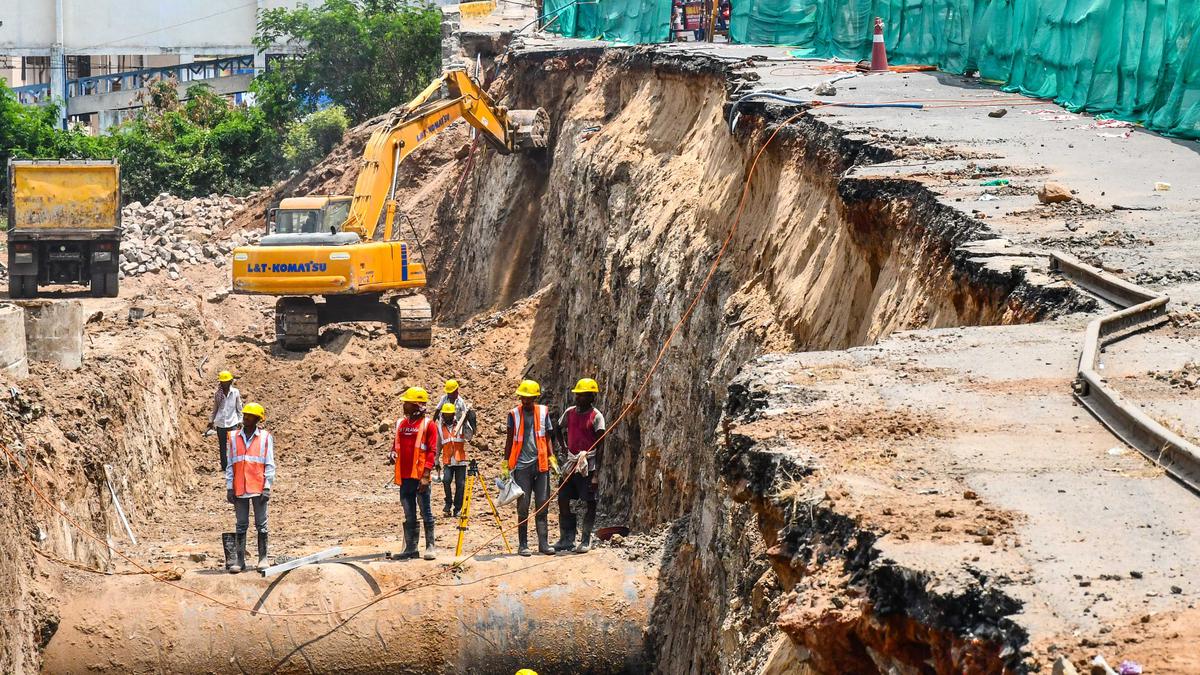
(137, 79)
(33, 94)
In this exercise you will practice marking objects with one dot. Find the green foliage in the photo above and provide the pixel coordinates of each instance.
(309, 139)
(30, 131)
(198, 148)
(367, 56)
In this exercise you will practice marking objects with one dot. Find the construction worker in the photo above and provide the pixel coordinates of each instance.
(452, 452)
(454, 471)
(226, 413)
(527, 446)
(413, 453)
(248, 479)
(583, 425)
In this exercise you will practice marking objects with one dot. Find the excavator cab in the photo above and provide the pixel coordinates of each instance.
(308, 215)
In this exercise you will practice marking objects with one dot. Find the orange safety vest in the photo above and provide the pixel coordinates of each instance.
(541, 420)
(418, 458)
(454, 448)
(249, 462)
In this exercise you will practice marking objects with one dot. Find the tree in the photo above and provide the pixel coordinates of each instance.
(202, 146)
(367, 56)
(308, 140)
(28, 132)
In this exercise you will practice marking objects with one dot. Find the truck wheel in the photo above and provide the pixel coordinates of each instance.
(111, 285)
(22, 286)
(99, 285)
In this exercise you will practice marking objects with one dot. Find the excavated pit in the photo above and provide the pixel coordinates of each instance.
(571, 262)
(618, 224)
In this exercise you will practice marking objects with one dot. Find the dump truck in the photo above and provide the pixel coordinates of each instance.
(64, 225)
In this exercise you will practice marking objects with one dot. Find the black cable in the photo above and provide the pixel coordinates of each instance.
(417, 240)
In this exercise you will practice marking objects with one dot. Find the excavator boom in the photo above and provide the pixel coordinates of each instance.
(420, 121)
(350, 257)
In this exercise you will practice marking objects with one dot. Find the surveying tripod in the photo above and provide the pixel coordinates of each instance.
(473, 477)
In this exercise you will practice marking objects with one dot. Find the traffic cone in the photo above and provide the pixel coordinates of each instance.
(878, 50)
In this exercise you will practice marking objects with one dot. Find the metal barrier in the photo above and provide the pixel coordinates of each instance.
(34, 94)
(1141, 310)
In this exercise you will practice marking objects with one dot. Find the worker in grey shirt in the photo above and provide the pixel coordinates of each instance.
(454, 474)
(527, 446)
(226, 413)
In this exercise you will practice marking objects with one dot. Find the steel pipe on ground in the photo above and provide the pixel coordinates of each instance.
(569, 613)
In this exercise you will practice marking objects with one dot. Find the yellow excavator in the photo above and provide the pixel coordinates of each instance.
(347, 250)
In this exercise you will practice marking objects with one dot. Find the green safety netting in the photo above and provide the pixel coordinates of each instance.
(1135, 59)
(629, 21)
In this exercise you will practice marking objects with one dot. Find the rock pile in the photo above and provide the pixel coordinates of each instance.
(1187, 377)
(170, 232)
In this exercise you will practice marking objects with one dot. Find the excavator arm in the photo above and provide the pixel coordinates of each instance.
(423, 118)
(349, 266)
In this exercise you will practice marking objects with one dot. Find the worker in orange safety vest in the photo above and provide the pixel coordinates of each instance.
(414, 453)
(248, 479)
(453, 456)
(528, 447)
(464, 423)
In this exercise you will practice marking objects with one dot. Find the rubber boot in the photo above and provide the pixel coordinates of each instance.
(229, 543)
(543, 532)
(430, 550)
(523, 539)
(585, 543)
(262, 550)
(240, 565)
(446, 510)
(410, 543)
(566, 535)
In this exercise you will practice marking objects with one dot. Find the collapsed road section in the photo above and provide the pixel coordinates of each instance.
(847, 441)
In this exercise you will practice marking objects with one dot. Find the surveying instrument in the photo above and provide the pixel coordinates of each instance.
(473, 477)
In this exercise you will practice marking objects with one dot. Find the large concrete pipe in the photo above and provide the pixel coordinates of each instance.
(569, 613)
(12, 341)
(54, 331)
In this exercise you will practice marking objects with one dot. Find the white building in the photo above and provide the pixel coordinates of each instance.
(97, 54)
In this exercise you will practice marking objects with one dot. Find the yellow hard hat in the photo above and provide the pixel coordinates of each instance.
(526, 671)
(451, 386)
(415, 395)
(529, 388)
(586, 386)
(224, 376)
(254, 409)
(448, 408)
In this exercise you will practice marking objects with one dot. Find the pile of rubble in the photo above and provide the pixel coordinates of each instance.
(1187, 377)
(170, 232)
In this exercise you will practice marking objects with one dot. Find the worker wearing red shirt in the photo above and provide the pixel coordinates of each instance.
(414, 454)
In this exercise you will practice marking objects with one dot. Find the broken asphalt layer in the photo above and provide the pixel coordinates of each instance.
(1045, 507)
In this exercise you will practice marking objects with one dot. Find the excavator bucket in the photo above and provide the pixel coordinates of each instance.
(531, 128)
(414, 321)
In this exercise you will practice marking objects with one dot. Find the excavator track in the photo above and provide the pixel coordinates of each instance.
(414, 321)
(299, 320)
(297, 323)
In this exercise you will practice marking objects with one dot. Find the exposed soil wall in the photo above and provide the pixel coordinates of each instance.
(612, 231)
(619, 222)
(121, 409)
